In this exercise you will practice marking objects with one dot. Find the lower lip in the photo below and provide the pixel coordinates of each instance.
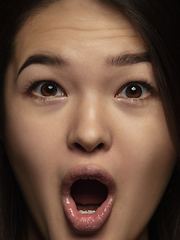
(87, 222)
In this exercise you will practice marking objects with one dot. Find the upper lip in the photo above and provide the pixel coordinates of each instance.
(88, 171)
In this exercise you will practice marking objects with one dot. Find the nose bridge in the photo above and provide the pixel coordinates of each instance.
(89, 129)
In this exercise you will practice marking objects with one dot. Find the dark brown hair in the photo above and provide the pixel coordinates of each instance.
(159, 25)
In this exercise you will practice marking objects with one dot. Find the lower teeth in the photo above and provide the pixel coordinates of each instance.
(87, 212)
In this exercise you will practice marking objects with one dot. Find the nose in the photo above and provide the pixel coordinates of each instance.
(89, 129)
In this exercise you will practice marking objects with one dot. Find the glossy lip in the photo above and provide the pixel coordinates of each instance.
(94, 221)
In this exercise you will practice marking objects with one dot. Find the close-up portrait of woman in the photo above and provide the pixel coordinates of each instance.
(89, 120)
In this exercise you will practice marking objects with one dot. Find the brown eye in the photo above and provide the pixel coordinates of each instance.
(134, 90)
(48, 89)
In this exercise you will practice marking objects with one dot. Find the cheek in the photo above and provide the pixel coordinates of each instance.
(34, 146)
(37, 155)
(145, 160)
(143, 141)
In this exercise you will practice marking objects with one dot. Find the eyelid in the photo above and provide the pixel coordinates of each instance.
(30, 89)
(148, 86)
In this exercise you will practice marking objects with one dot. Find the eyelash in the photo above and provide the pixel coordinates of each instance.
(143, 84)
(33, 85)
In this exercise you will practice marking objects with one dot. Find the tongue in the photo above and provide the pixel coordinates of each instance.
(86, 192)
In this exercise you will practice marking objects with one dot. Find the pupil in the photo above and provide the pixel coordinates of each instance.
(134, 91)
(48, 89)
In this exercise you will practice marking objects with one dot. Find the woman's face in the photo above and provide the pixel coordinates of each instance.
(85, 132)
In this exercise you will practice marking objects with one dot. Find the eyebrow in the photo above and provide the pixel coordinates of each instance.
(44, 59)
(55, 60)
(129, 59)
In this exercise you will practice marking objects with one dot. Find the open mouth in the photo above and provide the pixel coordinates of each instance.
(87, 197)
(88, 194)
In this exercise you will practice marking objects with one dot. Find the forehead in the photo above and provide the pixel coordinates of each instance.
(80, 24)
(80, 14)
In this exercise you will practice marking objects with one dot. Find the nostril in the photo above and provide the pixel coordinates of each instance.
(78, 146)
(99, 146)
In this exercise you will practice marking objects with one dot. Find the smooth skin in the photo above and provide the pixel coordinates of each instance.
(46, 136)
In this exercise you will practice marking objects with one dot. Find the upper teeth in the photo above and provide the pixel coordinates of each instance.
(87, 212)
